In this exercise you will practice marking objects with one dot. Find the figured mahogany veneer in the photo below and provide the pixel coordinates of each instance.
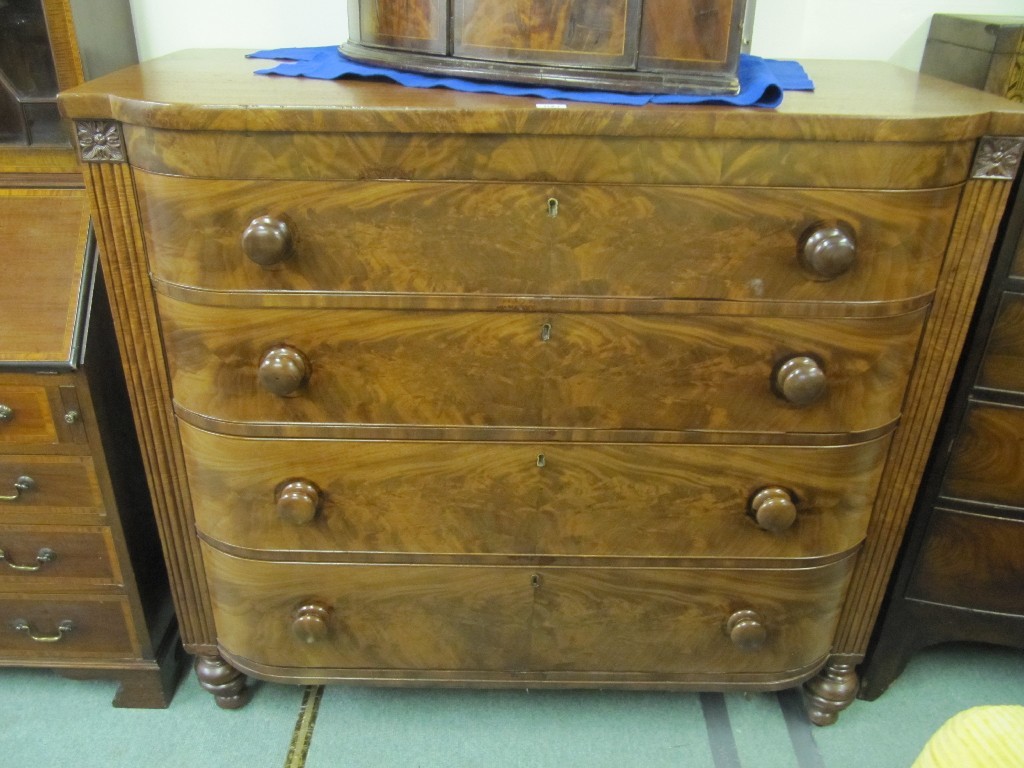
(445, 388)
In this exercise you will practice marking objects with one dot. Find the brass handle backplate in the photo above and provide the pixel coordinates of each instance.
(23, 483)
(20, 625)
(44, 556)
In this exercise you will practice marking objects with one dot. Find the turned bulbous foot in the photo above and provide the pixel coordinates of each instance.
(222, 680)
(832, 691)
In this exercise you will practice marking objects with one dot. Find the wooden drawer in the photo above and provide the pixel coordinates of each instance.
(26, 416)
(516, 619)
(971, 560)
(96, 627)
(1002, 366)
(587, 500)
(542, 239)
(987, 460)
(696, 372)
(56, 555)
(63, 489)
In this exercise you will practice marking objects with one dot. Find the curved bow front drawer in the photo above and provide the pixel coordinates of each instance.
(710, 623)
(581, 371)
(545, 240)
(381, 498)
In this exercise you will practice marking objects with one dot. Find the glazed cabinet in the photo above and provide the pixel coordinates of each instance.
(83, 586)
(442, 389)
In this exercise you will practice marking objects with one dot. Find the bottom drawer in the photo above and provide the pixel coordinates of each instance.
(972, 561)
(525, 620)
(59, 627)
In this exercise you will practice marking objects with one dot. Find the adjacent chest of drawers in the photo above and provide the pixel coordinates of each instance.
(83, 589)
(961, 577)
(449, 389)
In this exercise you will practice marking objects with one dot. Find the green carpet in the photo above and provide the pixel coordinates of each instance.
(48, 720)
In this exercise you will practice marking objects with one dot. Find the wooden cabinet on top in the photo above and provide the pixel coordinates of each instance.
(446, 388)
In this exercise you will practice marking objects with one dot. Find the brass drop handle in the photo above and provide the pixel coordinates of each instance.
(20, 625)
(283, 370)
(827, 251)
(267, 241)
(43, 556)
(746, 630)
(773, 509)
(298, 502)
(309, 623)
(6, 413)
(23, 483)
(799, 380)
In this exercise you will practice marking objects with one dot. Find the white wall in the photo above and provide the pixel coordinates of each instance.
(889, 30)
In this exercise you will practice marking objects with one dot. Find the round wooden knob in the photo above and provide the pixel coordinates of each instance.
(267, 240)
(309, 623)
(773, 509)
(298, 501)
(746, 631)
(827, 251)
(800, 380)
(283, 370)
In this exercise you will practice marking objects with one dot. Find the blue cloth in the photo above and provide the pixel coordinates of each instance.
(762, 81)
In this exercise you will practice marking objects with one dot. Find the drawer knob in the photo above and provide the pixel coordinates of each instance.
(298, 502)
(43, 556)
(6, 413)
(800, 380)
(773, 509)
(20, 625)
(828, 251)
(23, 483)
(746, 630)
(283, 370)
(309, 623)
(267, 241)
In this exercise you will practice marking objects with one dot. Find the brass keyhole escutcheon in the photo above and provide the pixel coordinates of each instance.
(545, 332)
(552, 207)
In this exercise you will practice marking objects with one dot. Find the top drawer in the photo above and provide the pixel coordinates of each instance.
(544, 239)
(26, 416)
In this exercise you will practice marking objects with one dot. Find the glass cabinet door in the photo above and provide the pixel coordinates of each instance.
(28, 77)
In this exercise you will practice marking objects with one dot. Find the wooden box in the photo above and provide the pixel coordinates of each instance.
(985, 52)
(645, 46)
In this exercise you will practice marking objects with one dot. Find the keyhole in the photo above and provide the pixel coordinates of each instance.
(535, 581)
(545, 332)
(541, 460)
(552, 207)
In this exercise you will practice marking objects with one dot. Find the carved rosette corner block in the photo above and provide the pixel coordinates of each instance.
(998, 157)
(99, 141)
(830, 692)
(224, 682)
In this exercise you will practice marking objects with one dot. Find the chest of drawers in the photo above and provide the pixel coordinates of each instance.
(83, 589)
(449, 389)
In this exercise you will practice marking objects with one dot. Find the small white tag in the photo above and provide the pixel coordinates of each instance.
(552, 106)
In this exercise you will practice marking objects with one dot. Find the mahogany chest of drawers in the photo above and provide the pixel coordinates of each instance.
(449, 389)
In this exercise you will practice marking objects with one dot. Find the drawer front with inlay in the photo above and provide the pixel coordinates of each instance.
(506, 499)
(542, 239)
(57, 627)
(26, 416)
(529, 369)
(52, 489)
(40, 556)
(521, 619)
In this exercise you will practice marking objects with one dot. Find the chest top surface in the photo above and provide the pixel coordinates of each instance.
(217, 90)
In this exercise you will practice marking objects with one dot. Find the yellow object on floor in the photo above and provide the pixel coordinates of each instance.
(980, 737)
